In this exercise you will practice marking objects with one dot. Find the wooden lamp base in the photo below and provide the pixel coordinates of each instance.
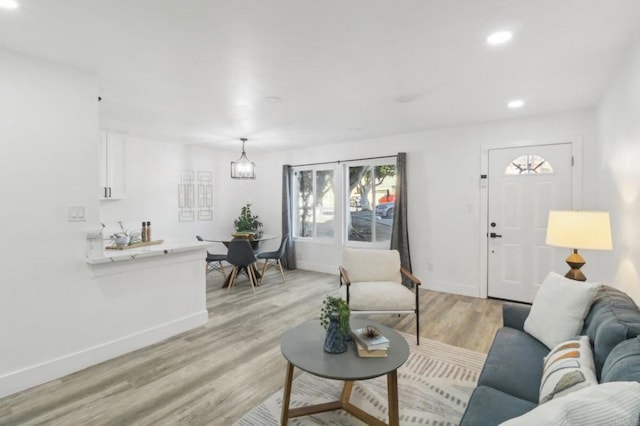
(575, 262)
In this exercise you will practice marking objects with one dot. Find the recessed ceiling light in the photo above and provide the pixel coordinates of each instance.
(499, 37)
(273, 99)
(516, 103)
(8, 4)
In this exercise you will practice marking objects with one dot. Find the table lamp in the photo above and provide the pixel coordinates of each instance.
(578, 230)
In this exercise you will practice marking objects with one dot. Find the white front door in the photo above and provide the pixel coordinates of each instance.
(524, 184)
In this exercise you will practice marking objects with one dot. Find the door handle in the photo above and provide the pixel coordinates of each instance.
(494, 235)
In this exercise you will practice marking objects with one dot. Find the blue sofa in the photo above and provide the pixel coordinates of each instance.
(509, 383)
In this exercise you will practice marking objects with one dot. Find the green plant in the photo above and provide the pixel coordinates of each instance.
(335, 307)
(247, 221)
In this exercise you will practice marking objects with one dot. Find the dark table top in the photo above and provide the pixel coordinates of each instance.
(303, 346)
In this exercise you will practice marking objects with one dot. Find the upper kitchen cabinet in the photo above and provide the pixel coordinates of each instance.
(111, 166)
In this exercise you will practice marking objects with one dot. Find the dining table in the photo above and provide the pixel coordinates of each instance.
(255, 244)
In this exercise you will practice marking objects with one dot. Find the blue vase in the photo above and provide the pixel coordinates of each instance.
(335, 342)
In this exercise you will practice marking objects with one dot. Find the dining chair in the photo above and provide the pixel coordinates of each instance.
(214, 261)
(373, 281)
(272, 258)
(241, 256)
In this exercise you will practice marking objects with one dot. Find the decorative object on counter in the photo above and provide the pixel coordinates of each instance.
(243, 168)
(125, 238)
(334, 317)
(121, 239)
(95, 243)
(247, 225)
(136, 245)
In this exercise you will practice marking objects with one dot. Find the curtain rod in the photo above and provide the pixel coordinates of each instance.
(344, 161)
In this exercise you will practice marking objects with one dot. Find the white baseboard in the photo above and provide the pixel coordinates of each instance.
(453, 288)
(317, 267)
(34, 375)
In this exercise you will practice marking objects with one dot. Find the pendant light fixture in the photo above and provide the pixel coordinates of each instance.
(243, 168)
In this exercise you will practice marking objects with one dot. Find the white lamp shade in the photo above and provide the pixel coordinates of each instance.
(579, 230)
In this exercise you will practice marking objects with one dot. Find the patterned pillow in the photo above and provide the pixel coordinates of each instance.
(615, 403)
(568, 368)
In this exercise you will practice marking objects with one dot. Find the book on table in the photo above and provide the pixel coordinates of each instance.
(377, 353)
(370, 343)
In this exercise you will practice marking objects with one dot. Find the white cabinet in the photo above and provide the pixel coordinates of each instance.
(111, 166)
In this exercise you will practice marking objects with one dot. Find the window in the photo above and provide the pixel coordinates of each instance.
(528, 165)
(365, 195)
(315, 200)
(370, 201)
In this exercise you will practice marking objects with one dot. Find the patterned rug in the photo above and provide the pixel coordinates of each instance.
(434, 386)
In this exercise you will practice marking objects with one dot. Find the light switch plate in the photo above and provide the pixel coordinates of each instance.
(77, 214)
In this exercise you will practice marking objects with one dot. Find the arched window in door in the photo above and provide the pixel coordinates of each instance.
(528, 165)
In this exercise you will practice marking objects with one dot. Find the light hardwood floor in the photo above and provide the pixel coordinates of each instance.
(214, 374)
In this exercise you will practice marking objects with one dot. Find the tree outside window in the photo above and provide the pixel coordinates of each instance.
(315, 204)
(371, 202)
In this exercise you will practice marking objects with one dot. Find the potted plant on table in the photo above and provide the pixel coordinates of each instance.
(334, 317)
(247, 224)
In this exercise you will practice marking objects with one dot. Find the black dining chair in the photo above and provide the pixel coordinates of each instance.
(272, 258)
(241, 256)
(214, 261)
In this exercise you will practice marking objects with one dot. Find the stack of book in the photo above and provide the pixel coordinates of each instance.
(370, 346)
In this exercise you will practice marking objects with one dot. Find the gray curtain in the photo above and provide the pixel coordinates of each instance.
(289, 260)
(399, 230)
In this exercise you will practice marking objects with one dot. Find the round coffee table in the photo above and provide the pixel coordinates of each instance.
(302, 346)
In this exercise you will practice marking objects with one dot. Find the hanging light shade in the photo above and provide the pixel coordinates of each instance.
(243, 168)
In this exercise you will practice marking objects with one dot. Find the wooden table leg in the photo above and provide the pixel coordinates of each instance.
(392, 389)
(286, 397)
(346, 392)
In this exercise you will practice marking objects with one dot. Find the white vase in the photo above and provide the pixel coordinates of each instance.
(121, 239)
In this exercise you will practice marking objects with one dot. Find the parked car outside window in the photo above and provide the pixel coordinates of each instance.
(385, 210)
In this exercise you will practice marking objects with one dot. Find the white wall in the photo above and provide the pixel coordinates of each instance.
(444, 191)
(55, 315)
(152, 174)
(618, 150)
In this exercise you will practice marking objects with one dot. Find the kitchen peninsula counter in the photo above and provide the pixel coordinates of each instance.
(148, 294)
(167, 247)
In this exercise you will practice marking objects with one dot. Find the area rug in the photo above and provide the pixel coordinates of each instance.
(434, 386)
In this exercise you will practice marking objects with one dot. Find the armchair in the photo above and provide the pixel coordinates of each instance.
(373, 280)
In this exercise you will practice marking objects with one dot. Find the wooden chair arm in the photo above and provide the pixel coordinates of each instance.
(344, 276)
(409, 275)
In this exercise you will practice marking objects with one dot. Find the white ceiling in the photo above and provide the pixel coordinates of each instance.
(201, 71)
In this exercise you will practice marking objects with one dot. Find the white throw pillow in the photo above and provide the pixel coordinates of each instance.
(559, 309)
(568, 367)
(613, 403)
